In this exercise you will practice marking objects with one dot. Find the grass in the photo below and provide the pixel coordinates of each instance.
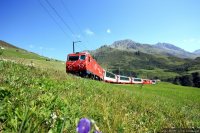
(42, 64)
(29, 97)
(156, 73)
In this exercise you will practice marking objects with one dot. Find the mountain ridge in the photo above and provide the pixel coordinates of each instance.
(158, 48)
(197, 52)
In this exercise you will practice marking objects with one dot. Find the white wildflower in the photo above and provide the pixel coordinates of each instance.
(53, 116)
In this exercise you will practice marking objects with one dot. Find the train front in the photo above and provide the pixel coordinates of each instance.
(76, 63)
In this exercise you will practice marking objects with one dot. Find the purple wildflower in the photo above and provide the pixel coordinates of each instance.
(83, 126)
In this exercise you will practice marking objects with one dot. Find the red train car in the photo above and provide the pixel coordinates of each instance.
(84, 65)
(147, 81)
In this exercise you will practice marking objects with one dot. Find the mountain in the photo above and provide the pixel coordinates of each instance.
(130, 45)
(161, 60)
(170, 49)
(197, 52)
(157, 49)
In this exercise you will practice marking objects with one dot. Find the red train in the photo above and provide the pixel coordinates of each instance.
(84, 65)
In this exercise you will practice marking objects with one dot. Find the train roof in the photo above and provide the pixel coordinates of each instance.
(79, 53)
(136, 78)
(123, 76)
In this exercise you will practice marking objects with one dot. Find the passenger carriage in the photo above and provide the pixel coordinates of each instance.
(110, 77)
(137, 81)
(123, 79)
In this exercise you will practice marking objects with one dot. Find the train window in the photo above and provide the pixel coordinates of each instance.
(73, 58)
(110, 75)
(89, 59)
(82, 57)
(124, 78)
(137, 79)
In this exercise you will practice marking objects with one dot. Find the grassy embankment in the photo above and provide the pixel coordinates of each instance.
(30, 98)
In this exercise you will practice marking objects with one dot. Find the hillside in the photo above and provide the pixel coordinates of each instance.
(35, 100)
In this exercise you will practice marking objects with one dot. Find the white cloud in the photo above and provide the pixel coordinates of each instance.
(108, 31)
(89, 32)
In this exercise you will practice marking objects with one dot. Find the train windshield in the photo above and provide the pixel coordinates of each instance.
(110, 75)
(73, 58)
(82, 57)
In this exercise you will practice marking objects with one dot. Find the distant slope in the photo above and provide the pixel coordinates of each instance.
(170, 49)
(197, 52)
(159, 48)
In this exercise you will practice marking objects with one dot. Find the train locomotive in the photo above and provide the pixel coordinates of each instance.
(82, 64)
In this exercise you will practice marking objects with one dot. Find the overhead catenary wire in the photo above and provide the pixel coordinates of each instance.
(63, 21)
(51, 16)
(71, 16)
(75, 22)
(61, 18)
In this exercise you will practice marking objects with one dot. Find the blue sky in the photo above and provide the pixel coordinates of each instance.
(26, 23)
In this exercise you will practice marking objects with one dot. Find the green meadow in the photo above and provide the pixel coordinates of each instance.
(33, 99)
